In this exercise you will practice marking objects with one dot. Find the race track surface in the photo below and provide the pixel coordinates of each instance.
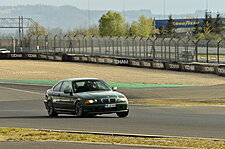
(22, 106)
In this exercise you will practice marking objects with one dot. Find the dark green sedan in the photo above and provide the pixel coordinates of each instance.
(85, 97)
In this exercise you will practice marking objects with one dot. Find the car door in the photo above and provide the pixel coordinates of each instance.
(67, 99)
(56, 96)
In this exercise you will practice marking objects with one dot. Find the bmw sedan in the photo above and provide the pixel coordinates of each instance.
(85, 97)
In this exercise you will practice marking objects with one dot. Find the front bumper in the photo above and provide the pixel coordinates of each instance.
(100, 108)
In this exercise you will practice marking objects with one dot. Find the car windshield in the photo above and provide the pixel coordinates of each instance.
(90, 85)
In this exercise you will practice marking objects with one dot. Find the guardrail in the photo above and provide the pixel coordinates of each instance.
(155, 49)
(218, 69)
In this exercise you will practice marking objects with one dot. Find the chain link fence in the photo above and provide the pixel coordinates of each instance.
(161, 49)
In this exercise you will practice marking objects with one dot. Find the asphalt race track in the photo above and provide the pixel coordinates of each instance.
(22, 106)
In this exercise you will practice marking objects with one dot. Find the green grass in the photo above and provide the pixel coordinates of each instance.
(113, 84)
(180, 102)
(17, 134)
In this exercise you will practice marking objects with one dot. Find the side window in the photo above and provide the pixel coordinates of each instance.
(57, 87)
(65, 85)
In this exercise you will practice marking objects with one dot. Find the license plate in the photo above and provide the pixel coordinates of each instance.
(109, 105)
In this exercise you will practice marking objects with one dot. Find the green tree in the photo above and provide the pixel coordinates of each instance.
(162, 31)
(170, 27)
(36, 30)
(112, 24)
(196, 27)
(144, 27)
(218, 26)
(208, 23)
(93, 31)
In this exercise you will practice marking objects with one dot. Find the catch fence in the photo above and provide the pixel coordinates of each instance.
(157, 49)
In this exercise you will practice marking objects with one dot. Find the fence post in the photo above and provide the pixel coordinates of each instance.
(218, 51)
(140, 46)
(37, 41)
(170, 48)
(162, 48)
(177, 52)
(64, 45)
(55, 43)
(187, 47)
(117, 44)
(92, 45)
(196, 49)
(126, 46)
(207, 51)
(146, 52)
(46, 43)
(13, 44)
(133, 46)
(74, 41)
(30, 43)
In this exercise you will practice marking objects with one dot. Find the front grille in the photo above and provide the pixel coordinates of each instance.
(108, 100)
(105, 100)
(112, 100)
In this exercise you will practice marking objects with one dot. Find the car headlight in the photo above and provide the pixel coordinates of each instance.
(90, 101)
(124, 99)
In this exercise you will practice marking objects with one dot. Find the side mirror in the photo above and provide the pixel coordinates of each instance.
(114, 88)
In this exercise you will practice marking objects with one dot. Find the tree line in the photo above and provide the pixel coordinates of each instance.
(114, 24)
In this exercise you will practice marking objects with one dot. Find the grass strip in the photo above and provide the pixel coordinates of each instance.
(113, 84)
(17, 134)
(180, 102)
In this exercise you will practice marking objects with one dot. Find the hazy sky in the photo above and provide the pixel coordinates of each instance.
(156, 6)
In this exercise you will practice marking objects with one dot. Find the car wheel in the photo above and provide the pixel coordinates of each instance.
(79, 109)
(51, 110)
(122, 114)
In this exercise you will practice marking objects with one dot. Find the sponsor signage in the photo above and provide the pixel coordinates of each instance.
(85, 59)
(221, 70)
(135, 63)
(109, 60)
(121, 61)
(174, 66)
(146, 64)
(58, 58)
(101, 60)
(188, 67)
(32, 55)
(183, 23)
(207, 69)
(92, 59)
(16, 55)
(158, 65)
(76, 58)
(50, 57)
(43, 56)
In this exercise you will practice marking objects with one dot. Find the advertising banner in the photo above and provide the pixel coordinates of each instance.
(183, 23)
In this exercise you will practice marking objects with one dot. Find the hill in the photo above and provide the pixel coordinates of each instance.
(70, 17)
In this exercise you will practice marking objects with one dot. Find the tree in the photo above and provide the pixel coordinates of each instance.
(170, 27)
(36, 30)
(208, 23)
(162, 31)
(144, 27)
(196, 27)
(92, 31)
(112, 24)
(218, 26)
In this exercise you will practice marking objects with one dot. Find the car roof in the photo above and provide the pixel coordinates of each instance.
(80, 79)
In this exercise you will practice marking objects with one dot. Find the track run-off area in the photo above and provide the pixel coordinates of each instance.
(21, 105)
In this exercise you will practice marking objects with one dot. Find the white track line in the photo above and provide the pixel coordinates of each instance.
(24, 91)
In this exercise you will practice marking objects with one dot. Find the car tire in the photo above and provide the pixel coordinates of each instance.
(79, 109)
(51, 109)
(122, 114)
